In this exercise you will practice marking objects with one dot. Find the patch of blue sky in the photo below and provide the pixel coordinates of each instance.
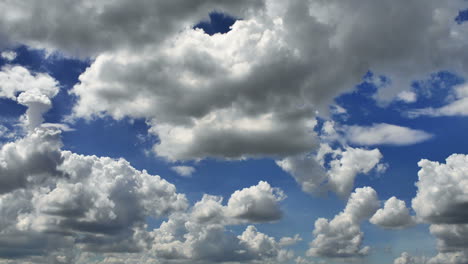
(462, 16)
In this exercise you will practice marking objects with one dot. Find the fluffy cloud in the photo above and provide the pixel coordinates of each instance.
(238, 94)
(406, 258)
(34, 90)
(385, 134)
(184, 171)
(8, 55)
(256, 204)
(97, 204)
(442, 195)
(395, 214)
(30, 160)
(341, 237)
(200, 235)
(339, 173)
(441, 200)
(407, 96)
(101, 205)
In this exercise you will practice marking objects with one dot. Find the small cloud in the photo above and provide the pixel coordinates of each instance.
(385, 134)
(8, 55)
(184, 171)
(63, 127)
(407, 97)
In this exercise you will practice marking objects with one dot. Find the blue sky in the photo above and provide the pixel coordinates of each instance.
(281, 132)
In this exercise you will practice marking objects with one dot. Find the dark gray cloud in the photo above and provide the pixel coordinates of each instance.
(87, 28)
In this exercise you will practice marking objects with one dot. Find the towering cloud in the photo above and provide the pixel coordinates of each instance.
(442, 200)
(341, 237)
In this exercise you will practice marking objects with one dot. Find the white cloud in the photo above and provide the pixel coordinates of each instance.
(442, 195)
(289, 241)
(337, 175)
(256, 204)
(353, 161)
(100, 205)
(341, 237)
(208, 101)
(457, 106)
(441, 201)
(8, 55)
(407, 96)
(385, 134)
(184, 171)
(95, 204)
(307, 172)
(406, 258)
(201, 236)
(34, 90)
(394, 215)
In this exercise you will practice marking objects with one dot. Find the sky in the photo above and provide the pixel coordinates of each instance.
(235, 132)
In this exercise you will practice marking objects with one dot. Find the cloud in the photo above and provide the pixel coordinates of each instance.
(441, 201)
(407, 96)
(443, 190)
(232, 102)
(201, 236)
(385, 134)
(307, 171)
(337, 175)
(457, 106)
(341, 237)
(184, 171)
(30, 160)
(289, 241)
(8, 55)
(406, 258)
(96, 204)
(256, 204)
(394, 215)
(91, 28)
(33, 90)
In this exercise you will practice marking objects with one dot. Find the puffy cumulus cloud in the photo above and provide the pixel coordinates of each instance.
(238, 94)
(450, 237)
(442, 195)
(289, 241)
(307, 171)
(93, 27)
(406, 258)
(74, 201)
(8, 55)
(441, 200)
(351, 162)
(184, 171)
(331, 169)
(460, 257)
(385, 134)
(30, 160)
(256, 204)
(341, 237)
(407, 96)
(247, 93)
(200, 235)
(33, 90)
(457, 106)
(394, 215)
